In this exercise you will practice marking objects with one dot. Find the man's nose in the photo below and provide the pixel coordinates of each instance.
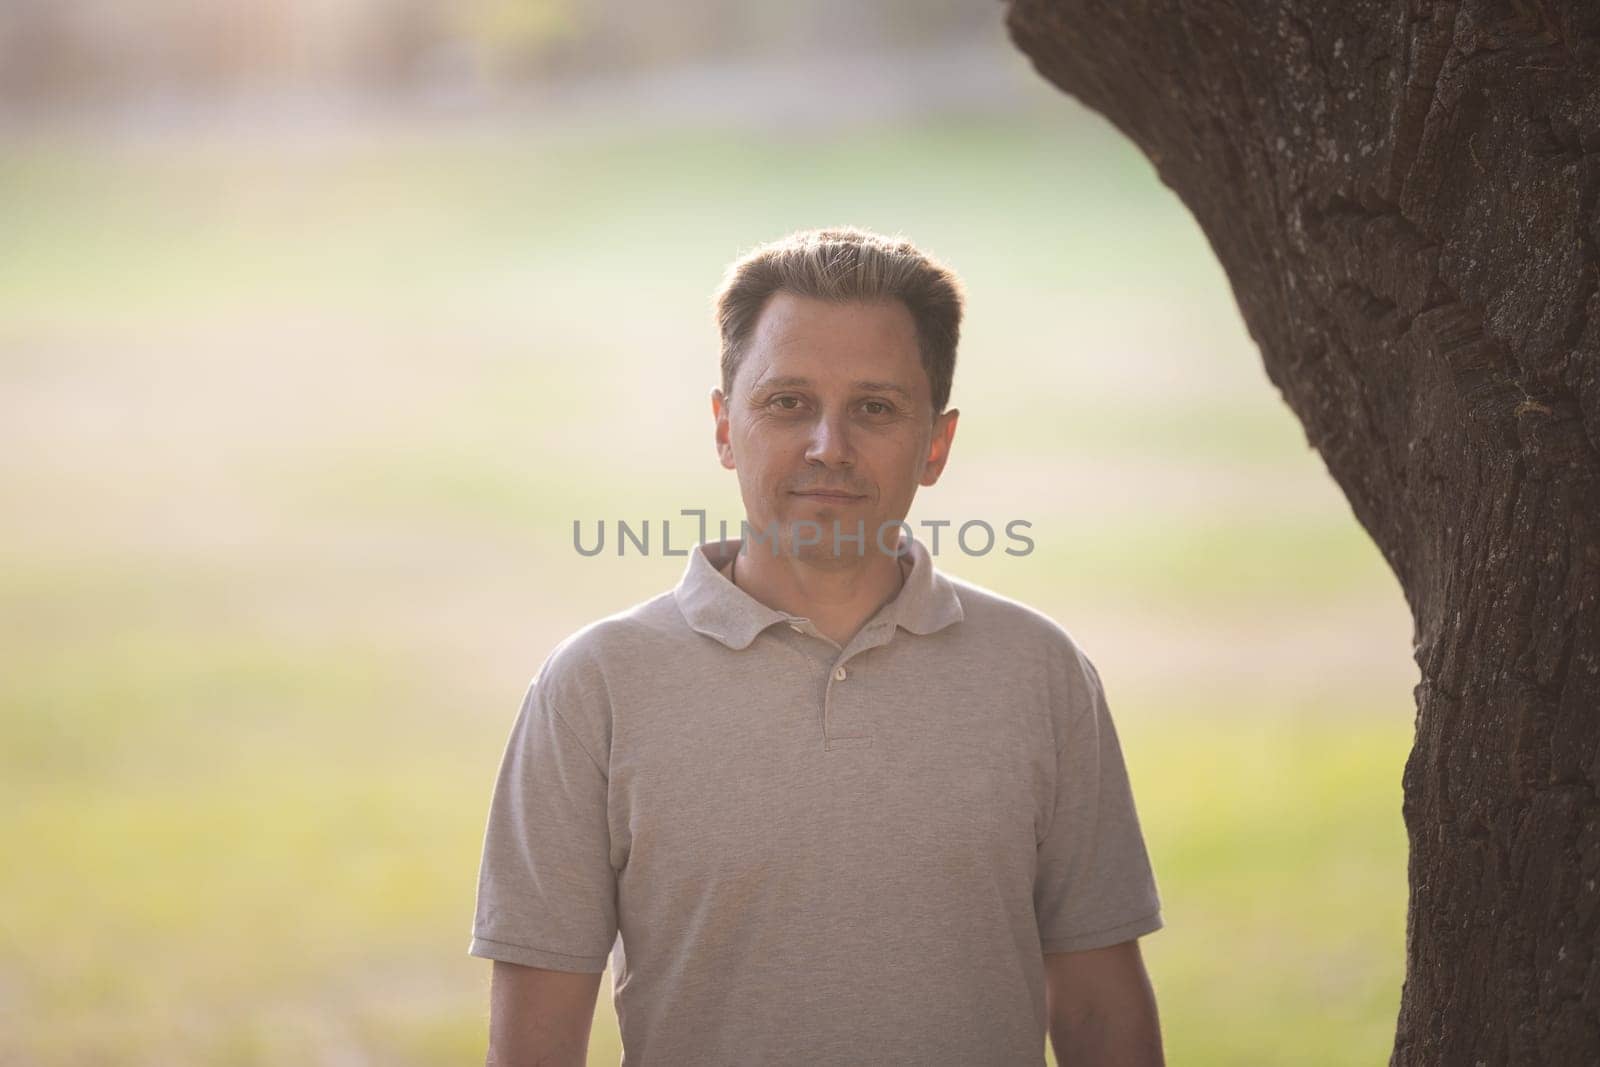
(830, 442)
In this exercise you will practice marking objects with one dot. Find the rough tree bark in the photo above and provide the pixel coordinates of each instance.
(1403, 196)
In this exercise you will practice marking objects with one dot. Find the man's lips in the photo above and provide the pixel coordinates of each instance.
(828, 494)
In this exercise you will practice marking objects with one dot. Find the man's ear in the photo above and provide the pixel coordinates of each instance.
(719, 411)
(944, 432)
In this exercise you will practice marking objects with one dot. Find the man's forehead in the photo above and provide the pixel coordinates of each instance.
(802, 341)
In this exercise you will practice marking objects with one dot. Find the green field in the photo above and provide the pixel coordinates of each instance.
(298, 429)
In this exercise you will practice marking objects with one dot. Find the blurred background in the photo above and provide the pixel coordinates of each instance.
(321, 321)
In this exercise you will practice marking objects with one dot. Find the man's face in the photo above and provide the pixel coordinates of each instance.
(831, 419)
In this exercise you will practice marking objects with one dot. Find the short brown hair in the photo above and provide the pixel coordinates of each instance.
(845, 264)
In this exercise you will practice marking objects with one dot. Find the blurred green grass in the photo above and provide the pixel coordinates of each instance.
(305, 426)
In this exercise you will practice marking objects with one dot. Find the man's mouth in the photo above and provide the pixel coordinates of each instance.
(826, 494)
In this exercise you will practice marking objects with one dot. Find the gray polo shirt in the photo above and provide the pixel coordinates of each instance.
(815, 855)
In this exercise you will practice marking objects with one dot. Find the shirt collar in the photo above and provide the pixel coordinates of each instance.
(714, 606)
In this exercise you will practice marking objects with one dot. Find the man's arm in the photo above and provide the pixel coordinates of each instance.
(1102, 1008)
(540, 1018)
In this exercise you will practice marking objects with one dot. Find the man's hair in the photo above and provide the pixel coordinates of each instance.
(845, 264)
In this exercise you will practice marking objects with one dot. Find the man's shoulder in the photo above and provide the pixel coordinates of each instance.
(590, 669)
(985, 610)
(618, 639)
(1029, 640)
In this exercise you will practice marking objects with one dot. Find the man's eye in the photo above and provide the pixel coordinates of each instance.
(876, 407)
(787, 403)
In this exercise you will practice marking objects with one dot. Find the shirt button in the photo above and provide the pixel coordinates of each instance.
(796, 627)
(838, 675)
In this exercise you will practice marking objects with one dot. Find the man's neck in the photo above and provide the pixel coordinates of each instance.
(837, 595)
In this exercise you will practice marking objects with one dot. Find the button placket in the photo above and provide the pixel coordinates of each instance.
(854, 731)
(831, 740)
(873, 636)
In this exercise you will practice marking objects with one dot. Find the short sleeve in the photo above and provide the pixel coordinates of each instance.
(1094, 885)
(546, 887)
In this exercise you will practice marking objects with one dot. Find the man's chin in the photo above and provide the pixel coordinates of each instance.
(830, 504)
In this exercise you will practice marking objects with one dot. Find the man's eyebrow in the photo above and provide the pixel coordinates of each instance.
(792, 382)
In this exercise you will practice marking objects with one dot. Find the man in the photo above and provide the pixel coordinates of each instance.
(841, 807)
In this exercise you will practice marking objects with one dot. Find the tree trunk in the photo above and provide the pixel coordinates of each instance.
(1403, 197)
